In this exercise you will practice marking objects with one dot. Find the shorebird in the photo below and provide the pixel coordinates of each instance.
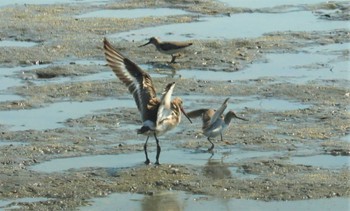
(214, 123)
(158, 115)
(171, 48)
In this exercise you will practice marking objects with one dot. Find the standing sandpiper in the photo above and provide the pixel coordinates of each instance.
(171, 48)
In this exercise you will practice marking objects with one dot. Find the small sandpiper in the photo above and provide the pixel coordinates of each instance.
(214, 123)
(171, 48)
(158, 115)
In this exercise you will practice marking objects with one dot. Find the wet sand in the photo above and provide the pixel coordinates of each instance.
(300, 119)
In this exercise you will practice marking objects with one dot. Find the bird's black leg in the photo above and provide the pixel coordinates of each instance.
(221, 137)
(145, 149)
(173, 57)
(212, 146)
(158, 150)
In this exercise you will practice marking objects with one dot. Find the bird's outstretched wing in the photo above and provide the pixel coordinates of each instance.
(206, 115)
(139, 82)
(218, 113)
(164, 110)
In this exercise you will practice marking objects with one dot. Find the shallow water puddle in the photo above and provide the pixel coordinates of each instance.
(283, 65)
(243, 25)
(313, 63)
(5, 203)
(238, 103)
(206, 75)
(8, 71)
(133, 13)
(110, 75)
(133, 159)
(7, 74)
(310, 64)
(8, 97)
(105, 75)
(276, 105)
(104, 161)
(8, 43)
(328, 49)
(85, 62)
(322, 161)
(11, 143)
(268, 3)
(8, 77)
(53, 115)
(6, 82)
(99, 76)
(346, 138)
(178, 200)
(44, 2)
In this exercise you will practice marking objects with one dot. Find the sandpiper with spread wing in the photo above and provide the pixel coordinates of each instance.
(158, 115)
(214, 123)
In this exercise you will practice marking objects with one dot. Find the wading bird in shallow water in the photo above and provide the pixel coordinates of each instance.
(214, 123)
(158, 115)
(171, 48)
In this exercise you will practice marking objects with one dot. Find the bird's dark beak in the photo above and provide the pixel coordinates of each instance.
(145, 44)
(183, 111)
(240, 118)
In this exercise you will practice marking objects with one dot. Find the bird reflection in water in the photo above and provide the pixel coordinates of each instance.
(161, 201)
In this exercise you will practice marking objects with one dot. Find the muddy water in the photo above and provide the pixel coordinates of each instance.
(183, 201)
(270, 3)
(67, 125)
(254, 26)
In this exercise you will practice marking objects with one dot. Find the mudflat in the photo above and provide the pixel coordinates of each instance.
(69, 133)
